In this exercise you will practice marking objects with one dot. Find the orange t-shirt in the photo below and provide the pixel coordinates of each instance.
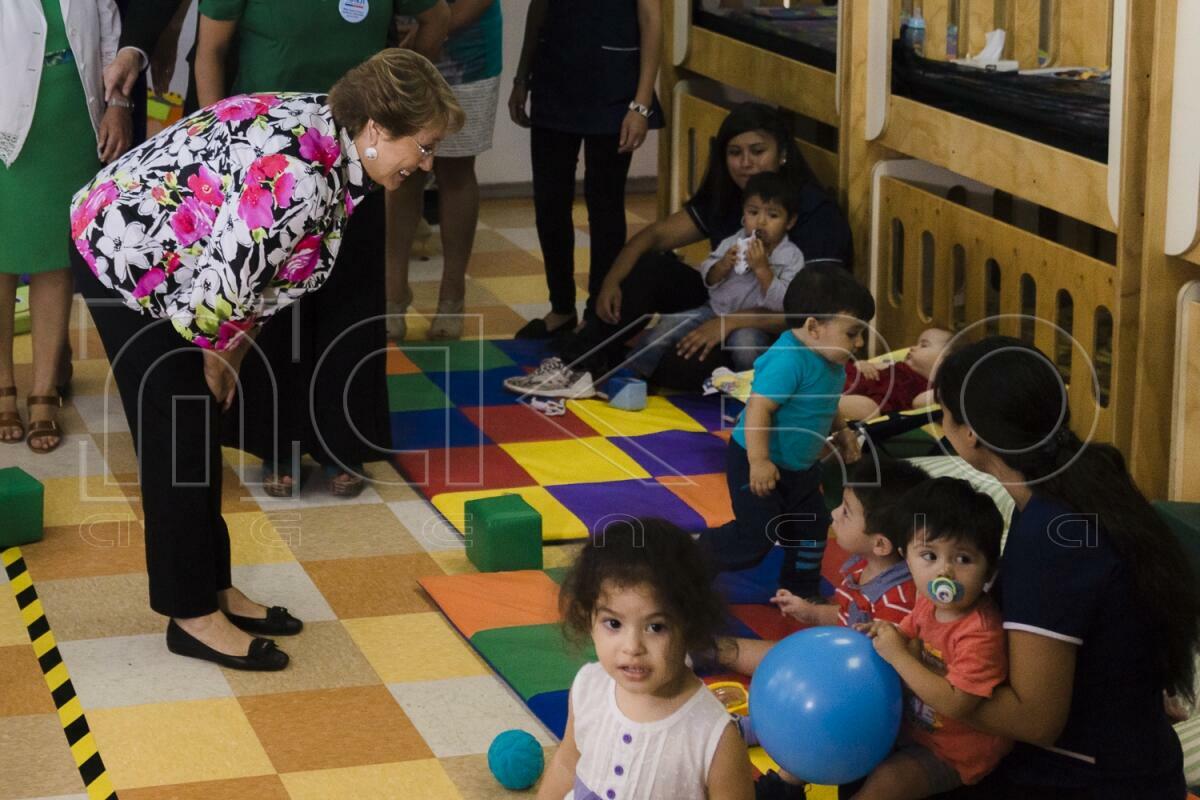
(971, 654)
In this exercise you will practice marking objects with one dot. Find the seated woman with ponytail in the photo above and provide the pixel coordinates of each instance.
(1101, 612)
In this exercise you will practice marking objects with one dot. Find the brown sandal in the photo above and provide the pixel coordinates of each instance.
(43, 428)
(11, 419)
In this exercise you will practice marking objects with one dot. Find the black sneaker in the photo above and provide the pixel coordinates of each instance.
(772, 787)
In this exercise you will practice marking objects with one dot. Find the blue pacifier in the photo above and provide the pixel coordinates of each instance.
(945, 590)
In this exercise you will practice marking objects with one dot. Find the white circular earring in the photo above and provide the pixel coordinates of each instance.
(371, 153)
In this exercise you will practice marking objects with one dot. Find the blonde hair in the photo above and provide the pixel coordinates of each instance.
(399, 89)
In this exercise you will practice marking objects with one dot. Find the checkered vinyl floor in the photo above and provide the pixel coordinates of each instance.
(383, 699)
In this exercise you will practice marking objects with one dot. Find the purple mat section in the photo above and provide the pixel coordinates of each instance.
(672, 453)
(597, 504)
(707, 409)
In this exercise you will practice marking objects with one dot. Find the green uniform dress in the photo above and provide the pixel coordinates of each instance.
(59, 156)
(306, 45)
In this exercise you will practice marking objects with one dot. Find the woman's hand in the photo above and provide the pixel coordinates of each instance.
(702, 340)
(221, 372)
(608, 303)
(122, 74)
(115, 134)
(516, 105)
(763, 477)
(633, 132)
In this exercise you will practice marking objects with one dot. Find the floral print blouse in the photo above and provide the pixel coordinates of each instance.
(225, 217)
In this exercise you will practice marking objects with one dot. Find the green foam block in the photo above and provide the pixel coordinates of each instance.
(21, 499)
(503, 533)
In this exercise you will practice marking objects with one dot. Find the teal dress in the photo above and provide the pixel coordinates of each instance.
(58, 157)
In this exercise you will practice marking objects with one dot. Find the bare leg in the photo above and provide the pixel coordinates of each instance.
(8, 300)
(857, 406)
(742, 655)
(403, 214)
(235, 602)
(50, 309)
(216, 631)
(899, 777)
(458, 198)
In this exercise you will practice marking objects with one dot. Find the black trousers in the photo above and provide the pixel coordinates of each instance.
(659, 283)
(553, 157)
(175, 421)
(316, 382)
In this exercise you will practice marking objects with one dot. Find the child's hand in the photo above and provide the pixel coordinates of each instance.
(888, 640)
(846, 443)
(795, 607)
(756, 256)
(729, 260)
(763, 476)
(868, 370)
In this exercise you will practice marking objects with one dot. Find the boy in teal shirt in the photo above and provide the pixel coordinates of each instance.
(774, 460)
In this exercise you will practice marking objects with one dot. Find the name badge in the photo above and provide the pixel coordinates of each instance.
(354, 10)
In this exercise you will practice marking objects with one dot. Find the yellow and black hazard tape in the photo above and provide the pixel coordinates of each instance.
(70, 711)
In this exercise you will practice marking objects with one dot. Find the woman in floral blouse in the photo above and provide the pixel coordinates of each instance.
(188, 244)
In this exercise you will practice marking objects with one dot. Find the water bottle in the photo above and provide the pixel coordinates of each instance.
(916, 32)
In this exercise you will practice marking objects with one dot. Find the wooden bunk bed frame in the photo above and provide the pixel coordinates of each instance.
(1148, 195)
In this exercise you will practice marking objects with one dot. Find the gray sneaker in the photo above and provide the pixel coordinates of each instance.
(553, 378)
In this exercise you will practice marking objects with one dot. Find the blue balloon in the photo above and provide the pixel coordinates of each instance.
(825, 705)
(515, 759)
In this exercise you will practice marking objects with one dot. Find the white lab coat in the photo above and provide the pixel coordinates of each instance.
(93, 30)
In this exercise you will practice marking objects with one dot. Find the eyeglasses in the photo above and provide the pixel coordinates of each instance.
(427, 151)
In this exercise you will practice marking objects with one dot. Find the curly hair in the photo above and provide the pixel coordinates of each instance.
(644, 552)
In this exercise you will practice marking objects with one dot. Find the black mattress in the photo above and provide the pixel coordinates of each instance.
(1068, 114)
(808, 35)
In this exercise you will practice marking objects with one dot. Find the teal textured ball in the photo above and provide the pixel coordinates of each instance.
(515, 759)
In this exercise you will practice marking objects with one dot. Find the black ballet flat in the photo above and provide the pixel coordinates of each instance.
(264, 656)
(537, 329)
(278, 622)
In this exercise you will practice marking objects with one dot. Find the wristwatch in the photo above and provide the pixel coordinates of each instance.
(120, 102)
(639, 108)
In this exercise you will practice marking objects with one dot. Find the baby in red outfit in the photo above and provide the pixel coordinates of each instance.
(871, 390)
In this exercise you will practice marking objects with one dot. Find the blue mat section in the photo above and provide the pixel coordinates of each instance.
(551, 709)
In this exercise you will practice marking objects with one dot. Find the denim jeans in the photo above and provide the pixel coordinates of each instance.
(743, 345)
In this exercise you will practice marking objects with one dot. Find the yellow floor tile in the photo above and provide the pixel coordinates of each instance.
(414, 647)
(557, 521)
(178, 743)
(72, 501)
(519, 289)
(453, 562)
(424, 779)
(254, 538)
(585, 460)
(658, 415)
(12, 628)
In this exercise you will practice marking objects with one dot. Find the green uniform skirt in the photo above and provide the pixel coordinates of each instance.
(58, 157)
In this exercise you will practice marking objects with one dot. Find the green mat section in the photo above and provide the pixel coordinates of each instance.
(415, 392)
(474, 354)
(531, 657)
